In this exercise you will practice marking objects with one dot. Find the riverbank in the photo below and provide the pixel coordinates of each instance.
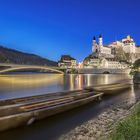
(137, 78)
(103, 125)
(128, 128)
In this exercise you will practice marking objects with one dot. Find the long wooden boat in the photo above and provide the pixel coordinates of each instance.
(36, 97)
(26, 110)
(111, 88)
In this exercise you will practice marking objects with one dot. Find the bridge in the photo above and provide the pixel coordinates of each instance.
(7, 67)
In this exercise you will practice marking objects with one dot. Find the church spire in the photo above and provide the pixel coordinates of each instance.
(94, 43)
(94, 38)
(100, 40)
(100, 36)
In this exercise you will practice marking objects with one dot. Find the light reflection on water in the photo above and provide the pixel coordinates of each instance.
(33, 84)
(132, 95)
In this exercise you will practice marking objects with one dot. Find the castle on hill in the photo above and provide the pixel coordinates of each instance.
(127, 44)
(118, 54)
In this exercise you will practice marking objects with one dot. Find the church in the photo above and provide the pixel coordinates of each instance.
(98, 47)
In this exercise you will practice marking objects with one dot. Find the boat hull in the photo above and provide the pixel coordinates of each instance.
(111, 89)
(27, 118)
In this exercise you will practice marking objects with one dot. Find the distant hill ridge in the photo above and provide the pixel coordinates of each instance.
(8, 55)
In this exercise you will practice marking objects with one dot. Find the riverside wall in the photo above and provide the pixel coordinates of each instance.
(102, 71)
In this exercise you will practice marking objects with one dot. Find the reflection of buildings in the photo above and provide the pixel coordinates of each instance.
(109, 56)
(88, 80)
(133, 95)
(72, 82)
(67, 61)
(76, 81)
(29, 81)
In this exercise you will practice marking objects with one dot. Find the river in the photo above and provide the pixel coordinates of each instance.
(20, 85)
(53, 127)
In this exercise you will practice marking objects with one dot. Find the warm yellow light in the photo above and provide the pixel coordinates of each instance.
(19, 81)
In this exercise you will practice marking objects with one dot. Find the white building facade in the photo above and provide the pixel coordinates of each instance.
(128, 45)
(67, 61)
(106, 63)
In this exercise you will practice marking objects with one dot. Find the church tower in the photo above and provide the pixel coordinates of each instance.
(100, 41)
(94, 45)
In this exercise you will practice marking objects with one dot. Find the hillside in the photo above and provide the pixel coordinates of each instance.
(13, 56)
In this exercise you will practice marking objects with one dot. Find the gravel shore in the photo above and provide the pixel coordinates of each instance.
(100, 127)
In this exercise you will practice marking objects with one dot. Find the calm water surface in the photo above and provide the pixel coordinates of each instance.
(53, 127)
(20, 85)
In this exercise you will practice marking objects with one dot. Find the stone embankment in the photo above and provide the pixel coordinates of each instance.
(137, 78)
(100, 127)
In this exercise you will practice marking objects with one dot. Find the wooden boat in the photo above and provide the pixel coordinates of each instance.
(26, 110)
(110, 88)
(36, 97)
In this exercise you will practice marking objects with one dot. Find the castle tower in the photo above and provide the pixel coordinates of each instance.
(129, 45)
(94, 44)
(100, 41)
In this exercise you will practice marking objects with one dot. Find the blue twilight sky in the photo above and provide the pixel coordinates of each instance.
(51, 28)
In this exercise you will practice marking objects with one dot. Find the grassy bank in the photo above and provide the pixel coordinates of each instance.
(128, 129)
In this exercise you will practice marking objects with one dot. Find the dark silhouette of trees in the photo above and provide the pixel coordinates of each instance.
(17, 57)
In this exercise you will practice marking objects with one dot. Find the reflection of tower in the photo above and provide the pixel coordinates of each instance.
(71, 78)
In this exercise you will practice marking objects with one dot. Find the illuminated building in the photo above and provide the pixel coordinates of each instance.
(67, 61)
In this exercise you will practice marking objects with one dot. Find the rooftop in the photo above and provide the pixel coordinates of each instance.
(67, 57)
